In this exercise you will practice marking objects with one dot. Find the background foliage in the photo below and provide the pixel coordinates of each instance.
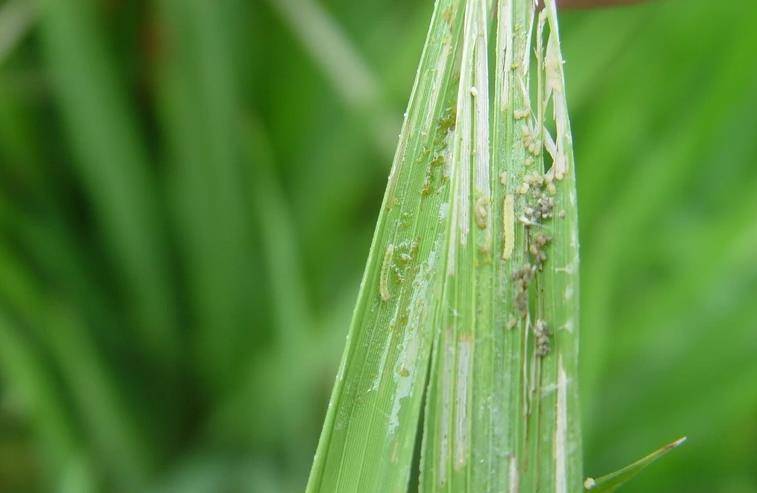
(187, 193)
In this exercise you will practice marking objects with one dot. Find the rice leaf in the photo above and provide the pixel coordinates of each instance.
(370, 430)
(502, 403)
(502, 408)
(613, 481)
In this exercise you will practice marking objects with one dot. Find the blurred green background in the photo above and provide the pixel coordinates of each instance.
(187, 194)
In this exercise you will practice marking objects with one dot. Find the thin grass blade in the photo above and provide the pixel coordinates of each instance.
(199, 103)
(613, 481)
(113, 165)
(16, 18)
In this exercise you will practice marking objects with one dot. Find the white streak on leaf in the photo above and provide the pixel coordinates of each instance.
(568, 293)
(448, 365)
(406, 368)
(503, 45)
(514, 477)
(561, 430)
(481, 116)
(508, 218)
(385, 353)
(443, 211)
(462, 417)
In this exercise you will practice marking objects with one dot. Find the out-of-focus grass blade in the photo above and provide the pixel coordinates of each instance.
(726, 252)
(278, 234)
(331, 188)
(273, 374)
(613, 481)
(341, 64)
(688, 277)
(617, 29)
(113, 165)
(289, 297)
(77, 477)
(656, 177)
(16, 17)
(200, 119)
(27, 376)
(95, 393)
(20, 147)
(693, 360)
(369, 435)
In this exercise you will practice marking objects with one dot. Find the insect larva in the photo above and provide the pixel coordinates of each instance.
(509, 226)
(542, 338)
(521, 114)
(385, 270)
(482, 211)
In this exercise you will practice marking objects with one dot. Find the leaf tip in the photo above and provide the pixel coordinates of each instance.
(677, 443)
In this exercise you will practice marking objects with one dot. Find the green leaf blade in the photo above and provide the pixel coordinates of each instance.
(502, 403)
(369, 435)
(611, 482)
(113, 164)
